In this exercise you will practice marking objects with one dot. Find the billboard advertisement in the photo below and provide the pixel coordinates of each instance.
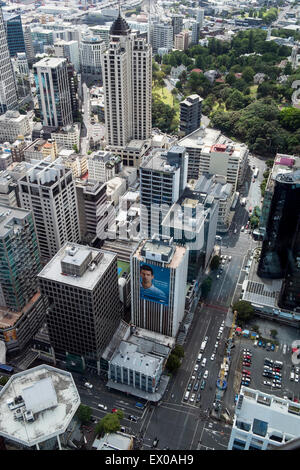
(154, 283)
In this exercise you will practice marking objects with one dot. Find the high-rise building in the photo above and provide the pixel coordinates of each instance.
(190, 114)
(91, 49)
(177, 23)
(263, 421)
(14, 34)
(181, 41)
(127, 83)
(81, 284)
(200, 17)
(8, 90)
(53, 91)
(162, 37)
(95, 211)
(48, 189)
(279, 225)
(163, 177)
(68, 50)
(159, 274)
(22, 308)
(28, 43)
(195, 33)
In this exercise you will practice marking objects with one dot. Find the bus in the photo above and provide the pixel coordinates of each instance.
(6, 368)
(255, 174)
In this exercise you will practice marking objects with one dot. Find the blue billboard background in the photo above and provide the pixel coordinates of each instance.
(154, 283)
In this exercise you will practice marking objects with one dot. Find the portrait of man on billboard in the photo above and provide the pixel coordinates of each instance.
(154, 285)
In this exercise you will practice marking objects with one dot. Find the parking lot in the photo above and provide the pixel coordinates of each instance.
(275, 380)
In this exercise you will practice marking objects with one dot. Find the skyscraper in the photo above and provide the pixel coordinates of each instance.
(48, 189)
(81, 284)
(127, 83)
(190, 114)
(53, 90)
(163, 177)
(8, 91)
(177, 23)
(14, 34)
(159, 274)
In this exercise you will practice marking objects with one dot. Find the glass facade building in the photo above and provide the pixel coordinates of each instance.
(14, 34)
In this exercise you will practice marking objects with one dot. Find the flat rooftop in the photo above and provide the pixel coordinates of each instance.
(279, 414)
(162, 249)
(128, 356)
(200, 137)
(89, 279)
(11, 219)
(49, 393)
(51, 62)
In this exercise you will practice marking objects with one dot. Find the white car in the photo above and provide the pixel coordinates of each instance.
(212, 357)
(296, 378)
(88, 385)
(193, 377)
(103, 407)
(193, 397)
(205, 375)
(196, 367)
(229, 258)
(217, 344)
(267, 382)
(206, 338)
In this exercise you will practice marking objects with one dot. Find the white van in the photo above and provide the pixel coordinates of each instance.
(292, 376)
(203, 363)
(186, 396)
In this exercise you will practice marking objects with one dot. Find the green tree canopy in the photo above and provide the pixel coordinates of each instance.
(290, 118)
(206, 286)
(84, 414)
(245, 311)
(178, 351)
(215, 262)
(108, 424)
(173, 362)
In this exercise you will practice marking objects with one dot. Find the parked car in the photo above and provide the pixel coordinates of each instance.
(189, 387)
(203, 383)
(205, 375)
(196, 386)
(88, 385)
(198, 398)
(272, 347)
(192, 399)
(212, 357)
(132, 418)
(102, 407)
(196, 367)
(267, 382)
(199, 375)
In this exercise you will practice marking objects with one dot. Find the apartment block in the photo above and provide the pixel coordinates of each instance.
(13, 125)
(48, 189)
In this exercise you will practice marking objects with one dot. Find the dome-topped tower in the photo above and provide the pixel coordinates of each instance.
(120, 27)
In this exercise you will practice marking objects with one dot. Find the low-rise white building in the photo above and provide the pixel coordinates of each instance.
(12, 125)
(115, 188)
(67, 137)
(263, 420)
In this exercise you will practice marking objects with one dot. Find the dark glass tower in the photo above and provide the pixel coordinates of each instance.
(14, 34)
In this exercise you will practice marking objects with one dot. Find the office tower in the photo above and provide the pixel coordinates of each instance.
(14, 34)
(177, 23)
(81, 284)
(96, 213)
(127, 83)
(74, 92)
(163, 177)
(159, 274)
(22, 63)
(68, 50)
(162, 37)
(21, 305)
(8, 90)
(48, 189)
(280, 227)
(263, 421)
(51, 77)
(90, 52)
(190, 114)
(182, 41)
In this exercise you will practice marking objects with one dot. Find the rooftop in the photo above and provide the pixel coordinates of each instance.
(114, 441)
(48, 393)
(129, 356)
(11, 219)
(99, 263)
(174, 253)
(51, 62)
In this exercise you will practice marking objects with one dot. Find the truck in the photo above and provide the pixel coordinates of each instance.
(203, 345)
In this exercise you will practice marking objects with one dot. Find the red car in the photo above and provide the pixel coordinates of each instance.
(245, 371)
(247, 357)
(114, 410)
(246, 364)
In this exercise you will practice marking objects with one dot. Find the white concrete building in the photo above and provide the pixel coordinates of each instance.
(53, 91)
(37, 404)
(101, 166)
(48, 189)
(116, 187)
(162, 37)
(68, 50)
(91, 49)
(263, 420)
(13, 125)
(67, 136)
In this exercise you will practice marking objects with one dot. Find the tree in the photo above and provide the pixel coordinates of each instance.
(84, 414)
(173, 363)
(3, 380)
(108, 424)
(290, 118)
(245, 311)
(75, 148)
(215, 262)
(206, 286)
(254, 221)
(248, 74)
(273, 333)
(174, 93)
(178, 351)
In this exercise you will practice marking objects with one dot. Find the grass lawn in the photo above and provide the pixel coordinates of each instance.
(253, 91)
(166, 97)
(217, 107)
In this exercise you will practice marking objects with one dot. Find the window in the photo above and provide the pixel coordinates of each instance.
(260, 427)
